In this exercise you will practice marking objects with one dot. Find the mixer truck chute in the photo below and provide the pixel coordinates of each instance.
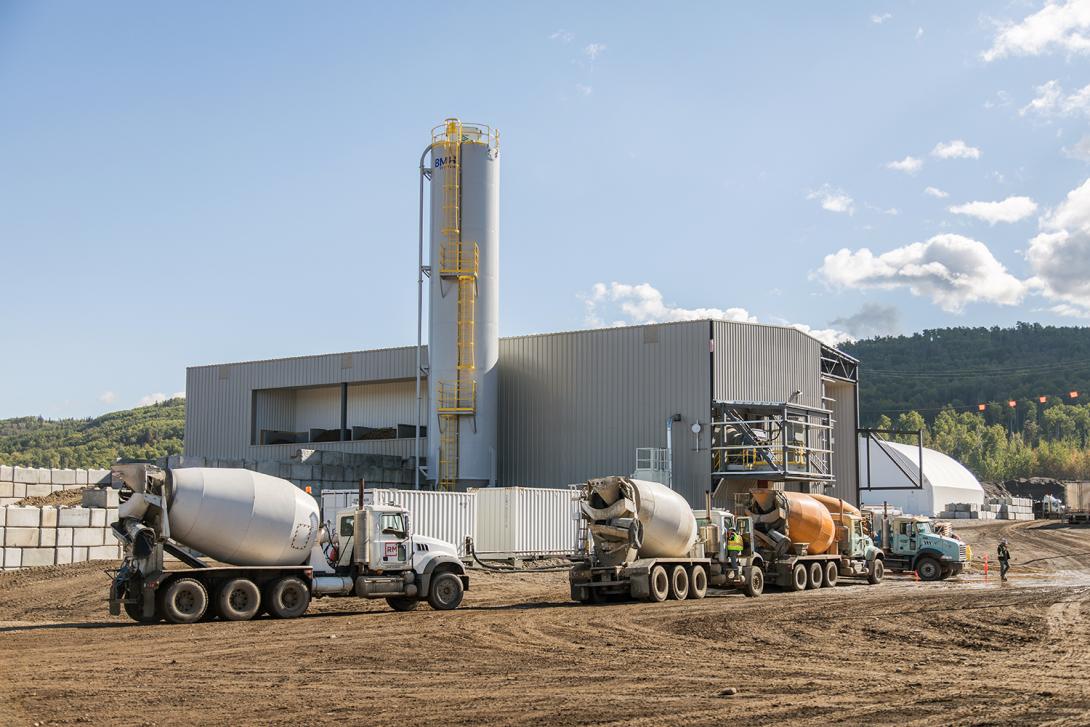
(275, 552)
(645, 542)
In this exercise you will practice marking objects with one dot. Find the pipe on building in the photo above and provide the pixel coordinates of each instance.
(420, 320)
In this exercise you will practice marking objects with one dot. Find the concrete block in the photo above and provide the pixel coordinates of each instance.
(98, 517)
(100, 497)
(25, 474)
(13, 557)
(64, 537)
(102, 552)
(3, 515)
(88, 536)
(111, 515)
(81, 477)
(5, 501)
(64, 556)
(20, 537)
(49, 516)
(23, 517)
(961, 515)
(47, 538)
(39, 490)
(302, 472)
(63, 477)
(267, 467)
(73, 517)
(79, 555)
(285, 471)
(7, 489)
(95, 477)
(330, 472)
(7, 473)
(332, 458)
(39, 556)
(18, 490)
(44, 476)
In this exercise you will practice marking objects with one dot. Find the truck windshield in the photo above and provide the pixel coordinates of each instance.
(923, 528)
(348, 524)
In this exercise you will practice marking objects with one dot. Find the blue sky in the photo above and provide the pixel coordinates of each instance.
(190, 183)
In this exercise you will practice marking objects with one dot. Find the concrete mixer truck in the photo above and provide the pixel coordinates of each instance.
(275, 554)
(641, 540)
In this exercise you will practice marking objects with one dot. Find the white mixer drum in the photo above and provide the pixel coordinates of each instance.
(241, 517)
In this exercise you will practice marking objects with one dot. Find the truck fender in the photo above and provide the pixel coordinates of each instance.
(929, 553)
(441, 562)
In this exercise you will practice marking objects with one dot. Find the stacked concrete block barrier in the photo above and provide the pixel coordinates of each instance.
(994, 508)
(57, 535)
(17, 483)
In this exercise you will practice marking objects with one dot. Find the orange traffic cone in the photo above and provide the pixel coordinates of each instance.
(985, 566)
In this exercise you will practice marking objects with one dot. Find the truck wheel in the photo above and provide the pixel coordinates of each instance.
(238, 600)
(755, 582)
(928, 569)
(184, 601)
(816, 575)
(288, 597)
(400, 603)
(446, 592)
(798, 579)
(660, 585)
(831, 574)
(135, 611)
(875, 572)
(679, 583)
(698, 582)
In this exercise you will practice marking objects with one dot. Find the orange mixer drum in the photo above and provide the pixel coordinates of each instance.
(808, 521)
(833, 505)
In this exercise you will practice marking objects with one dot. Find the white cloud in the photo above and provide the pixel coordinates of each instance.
(1079, 150)
(159, 398)
(1002, 100)
(879, 19)
(1011, 209)
(873, 319)
(625, 304)
(935, 192)
(833, 199)
(919, 32)
(107, 397)
(1051, 101)
(1060, 254)
(956, 149)
(909, 165)
(1060, 26)
(564, 36)
(584, 90)
(593, 50)
(952, 270)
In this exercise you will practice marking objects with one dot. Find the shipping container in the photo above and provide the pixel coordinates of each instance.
(525, 521)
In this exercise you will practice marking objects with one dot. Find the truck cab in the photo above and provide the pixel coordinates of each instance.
(376, 548)
(911, 543)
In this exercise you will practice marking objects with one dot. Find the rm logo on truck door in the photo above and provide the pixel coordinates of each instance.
(391, 550)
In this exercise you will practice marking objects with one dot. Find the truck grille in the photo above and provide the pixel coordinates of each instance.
(961, 553)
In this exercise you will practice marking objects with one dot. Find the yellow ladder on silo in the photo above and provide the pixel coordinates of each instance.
(458, 261)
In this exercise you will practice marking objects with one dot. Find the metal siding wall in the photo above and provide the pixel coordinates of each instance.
(318, 408)
(765, 363)
(385, 405)
(219, 408)
(576, 405)
(845, 446)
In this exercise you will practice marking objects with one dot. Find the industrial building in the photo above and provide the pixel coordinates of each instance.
(700, 405)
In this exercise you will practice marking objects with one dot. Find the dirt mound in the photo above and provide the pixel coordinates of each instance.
(60, 497)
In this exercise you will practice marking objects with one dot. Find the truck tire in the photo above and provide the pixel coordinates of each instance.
(135, 611)
(679, 583)
(659, 586)
(288, 597)
(832, 572)
(446, 592)
(400, 603)
(928, 569)
(816, 575)
(876, 571)
(798, 579)
(698, 582)
(755, 582)
(238, 600)
(184, 601)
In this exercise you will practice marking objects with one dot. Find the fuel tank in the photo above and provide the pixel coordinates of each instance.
(241, 517)
(799, 516)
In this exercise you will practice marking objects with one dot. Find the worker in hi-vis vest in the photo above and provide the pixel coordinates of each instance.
(734, 547)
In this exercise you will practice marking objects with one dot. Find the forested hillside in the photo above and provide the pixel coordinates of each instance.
(143, 433)
(936, 381)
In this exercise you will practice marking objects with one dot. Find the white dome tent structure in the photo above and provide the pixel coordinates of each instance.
(890, 472)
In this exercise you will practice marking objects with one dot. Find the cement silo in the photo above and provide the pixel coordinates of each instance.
(463, 335)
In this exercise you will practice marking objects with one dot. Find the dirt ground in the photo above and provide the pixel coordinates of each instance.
(966, 651)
